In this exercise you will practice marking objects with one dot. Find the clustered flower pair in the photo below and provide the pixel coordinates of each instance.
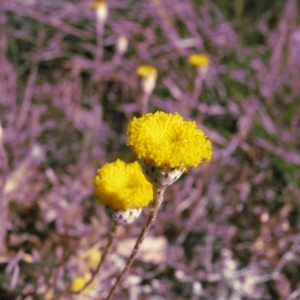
(166, 146)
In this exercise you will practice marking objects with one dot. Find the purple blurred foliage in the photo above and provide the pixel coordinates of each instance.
(231, 225)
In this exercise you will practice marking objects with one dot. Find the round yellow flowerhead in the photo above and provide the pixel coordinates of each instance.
(199, 60)
(167, 140)
(122, 186)
(146, 71)
(77, 284)
(94, 256)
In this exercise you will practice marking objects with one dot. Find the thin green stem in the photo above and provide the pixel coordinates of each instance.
(158, 198)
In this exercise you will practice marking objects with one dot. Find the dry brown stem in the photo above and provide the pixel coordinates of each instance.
(158, 198)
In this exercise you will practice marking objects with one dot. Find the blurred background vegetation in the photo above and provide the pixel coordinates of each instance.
(228, 229)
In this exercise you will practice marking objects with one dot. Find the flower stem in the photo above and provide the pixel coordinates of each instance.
(158, 198)
(144, 102)
(99, 47)
(197, 87)
(111, 239)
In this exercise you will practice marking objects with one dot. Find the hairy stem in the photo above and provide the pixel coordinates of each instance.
(158, 198)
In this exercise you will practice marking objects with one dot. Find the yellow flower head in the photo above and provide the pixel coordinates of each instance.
(199, 60)
(101, 9)
(122, 186)
(94, 256)
(146, 71)
(77, 284)
(166, 140)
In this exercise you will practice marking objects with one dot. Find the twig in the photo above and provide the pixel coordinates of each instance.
(158, 198)
(99, 49)
(4, 160)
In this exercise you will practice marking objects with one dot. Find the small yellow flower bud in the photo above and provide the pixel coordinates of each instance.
(200, 61)
(146, 71)
(78, 283)
(94, 256)
(148, 75)
(101, 9)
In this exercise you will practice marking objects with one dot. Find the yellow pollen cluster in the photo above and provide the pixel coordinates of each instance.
(167, 140)
(199, 60)
(146, 71)
(122, 186)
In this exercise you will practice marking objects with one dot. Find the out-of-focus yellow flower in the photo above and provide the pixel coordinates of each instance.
(122, 186)
(94, 257)
(148, 75)
(101, 9)
(77, 284)
(199, 60)
(146, 71)
(167, 140)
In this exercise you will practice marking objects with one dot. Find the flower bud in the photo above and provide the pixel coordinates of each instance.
(200, 61)
(148, 76)
(122, 216)
(101, 9)
(77, 284)
(161, 176)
